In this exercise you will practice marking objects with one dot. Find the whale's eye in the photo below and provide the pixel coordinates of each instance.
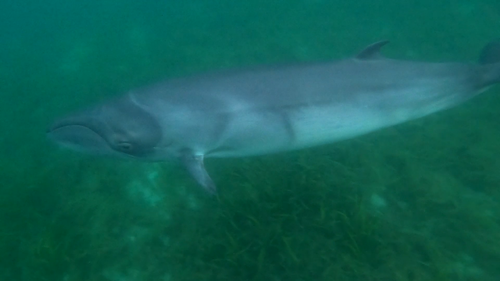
(124, 146)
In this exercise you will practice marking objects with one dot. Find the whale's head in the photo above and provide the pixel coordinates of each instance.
(117, 128)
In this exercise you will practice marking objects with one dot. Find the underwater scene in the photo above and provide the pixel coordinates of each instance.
(416, 201)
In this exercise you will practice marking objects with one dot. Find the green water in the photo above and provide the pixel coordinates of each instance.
(419, 201)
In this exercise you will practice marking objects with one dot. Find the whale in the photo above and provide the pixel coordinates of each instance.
(272, 108)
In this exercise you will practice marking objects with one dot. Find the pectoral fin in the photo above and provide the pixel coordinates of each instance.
(194, 165)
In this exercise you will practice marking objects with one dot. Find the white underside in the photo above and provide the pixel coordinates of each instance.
(255, 134)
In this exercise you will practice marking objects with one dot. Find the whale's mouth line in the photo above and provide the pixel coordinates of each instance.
(65, 126)
(55, 128)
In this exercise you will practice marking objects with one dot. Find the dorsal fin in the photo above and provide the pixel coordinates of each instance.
(490, 53)
(372, 52)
